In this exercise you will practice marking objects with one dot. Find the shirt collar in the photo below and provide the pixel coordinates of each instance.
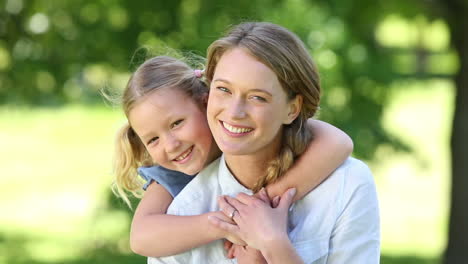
(228, 183)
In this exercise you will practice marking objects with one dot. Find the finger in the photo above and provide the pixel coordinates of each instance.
(232, 252)
(262, 194)
(287, 199)
(227, 244)
(235, 203)
(217, 222)
(275, 201)
(245, 198)
(250, 200)
(225, 206)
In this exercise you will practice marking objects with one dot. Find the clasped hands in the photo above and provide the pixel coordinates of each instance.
(252, 223)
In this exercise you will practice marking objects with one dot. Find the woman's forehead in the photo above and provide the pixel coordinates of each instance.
(238, 67)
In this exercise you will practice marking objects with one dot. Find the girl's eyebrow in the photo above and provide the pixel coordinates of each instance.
(147, 136)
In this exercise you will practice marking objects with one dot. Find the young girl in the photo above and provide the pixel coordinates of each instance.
(165, 104)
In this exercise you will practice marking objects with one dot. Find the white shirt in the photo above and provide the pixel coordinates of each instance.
(338, 222)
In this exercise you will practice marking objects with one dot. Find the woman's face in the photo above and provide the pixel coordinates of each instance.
(174, 130)
(247, 106)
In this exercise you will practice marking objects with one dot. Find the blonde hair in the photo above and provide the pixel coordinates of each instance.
(285, 54)
(161, 72)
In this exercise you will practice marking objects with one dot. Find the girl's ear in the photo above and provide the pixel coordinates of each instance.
(294, 109)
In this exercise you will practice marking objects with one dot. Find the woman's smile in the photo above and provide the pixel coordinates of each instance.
(236, 130)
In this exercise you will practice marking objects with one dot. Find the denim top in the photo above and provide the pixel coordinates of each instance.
(173, 181)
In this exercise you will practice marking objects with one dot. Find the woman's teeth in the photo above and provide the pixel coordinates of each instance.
(236, 130)
(184, 155)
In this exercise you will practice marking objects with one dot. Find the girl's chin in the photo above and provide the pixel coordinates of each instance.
(192, 170)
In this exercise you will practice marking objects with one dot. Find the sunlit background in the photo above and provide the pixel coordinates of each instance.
(387, 72)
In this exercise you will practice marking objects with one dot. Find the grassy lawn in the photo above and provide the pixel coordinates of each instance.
(55, 178)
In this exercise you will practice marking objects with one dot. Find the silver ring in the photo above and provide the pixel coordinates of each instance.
(233, 213)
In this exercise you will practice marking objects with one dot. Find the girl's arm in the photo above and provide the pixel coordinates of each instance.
(155, 234)
(326, 152)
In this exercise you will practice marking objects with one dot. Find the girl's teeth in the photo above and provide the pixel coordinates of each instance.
(236, 130)
(184, 155)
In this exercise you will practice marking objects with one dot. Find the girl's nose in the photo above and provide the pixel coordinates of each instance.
(172, 143)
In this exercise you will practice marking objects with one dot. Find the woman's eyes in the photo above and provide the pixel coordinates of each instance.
(259, 98)
(223, 89)
(255, 97)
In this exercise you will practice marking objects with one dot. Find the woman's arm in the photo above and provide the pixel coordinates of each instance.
(155, 234)
(327, 151)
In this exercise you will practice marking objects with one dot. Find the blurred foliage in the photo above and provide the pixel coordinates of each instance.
(56, 52)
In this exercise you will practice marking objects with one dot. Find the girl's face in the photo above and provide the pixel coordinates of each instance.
(174, 130)
(247, 106)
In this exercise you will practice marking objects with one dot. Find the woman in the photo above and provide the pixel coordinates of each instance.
(263, 88)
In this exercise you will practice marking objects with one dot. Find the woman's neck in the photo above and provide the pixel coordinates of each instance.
(248, 169)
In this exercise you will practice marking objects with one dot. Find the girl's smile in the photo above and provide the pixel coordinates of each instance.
(174, 130)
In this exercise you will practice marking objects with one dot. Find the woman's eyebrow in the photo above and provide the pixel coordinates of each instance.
(221, 80)
(261, 91)
(250, 90)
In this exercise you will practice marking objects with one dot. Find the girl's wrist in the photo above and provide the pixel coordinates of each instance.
(217, 233)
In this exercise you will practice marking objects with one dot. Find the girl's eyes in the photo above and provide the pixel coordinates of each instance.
(173, 125)
(176, 123)
(151, 141)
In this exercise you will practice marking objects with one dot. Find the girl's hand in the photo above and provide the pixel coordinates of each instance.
(243, 254)
(230, 237)
(248, 255)
(258, 224)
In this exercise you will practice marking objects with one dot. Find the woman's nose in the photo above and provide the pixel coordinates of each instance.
(236, 109)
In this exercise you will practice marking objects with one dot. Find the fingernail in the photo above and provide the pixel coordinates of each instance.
(276, 200)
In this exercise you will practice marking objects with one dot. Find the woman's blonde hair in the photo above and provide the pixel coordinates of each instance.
(285, 54)
(161, 72)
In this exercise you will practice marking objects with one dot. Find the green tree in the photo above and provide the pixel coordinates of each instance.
(454, 11)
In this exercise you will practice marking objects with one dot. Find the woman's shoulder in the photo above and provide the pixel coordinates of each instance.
(355, 171)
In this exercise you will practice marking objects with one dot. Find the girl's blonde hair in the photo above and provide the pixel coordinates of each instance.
(161, 72)
(285, 54)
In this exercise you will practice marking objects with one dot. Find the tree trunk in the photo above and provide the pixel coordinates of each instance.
(457, 247)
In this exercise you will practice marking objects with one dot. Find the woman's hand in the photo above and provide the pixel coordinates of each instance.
(258, 224)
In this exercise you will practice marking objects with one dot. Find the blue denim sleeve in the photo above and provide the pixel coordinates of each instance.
(173, 181)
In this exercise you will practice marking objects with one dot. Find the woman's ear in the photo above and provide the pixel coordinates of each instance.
(294, 109)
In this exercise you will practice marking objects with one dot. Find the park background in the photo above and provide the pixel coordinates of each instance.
(391, 80)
